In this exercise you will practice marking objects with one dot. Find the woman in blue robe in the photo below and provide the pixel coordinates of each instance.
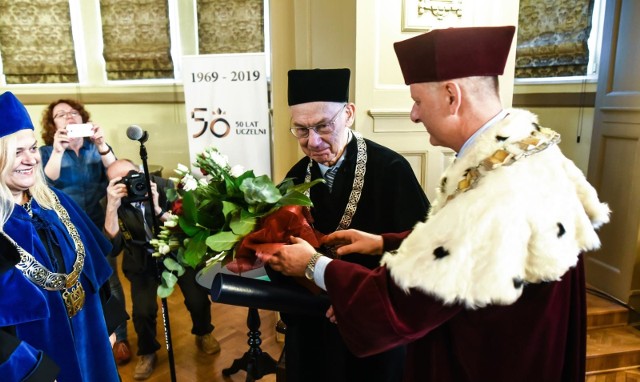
(49, 300)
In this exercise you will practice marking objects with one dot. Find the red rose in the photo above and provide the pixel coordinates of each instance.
(177, 207)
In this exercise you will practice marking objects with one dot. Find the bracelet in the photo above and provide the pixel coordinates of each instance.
(106, 152)
(162, 212)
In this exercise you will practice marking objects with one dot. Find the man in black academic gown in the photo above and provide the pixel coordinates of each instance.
(367, 187)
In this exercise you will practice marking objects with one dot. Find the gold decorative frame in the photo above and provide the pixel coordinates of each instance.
(424, 15)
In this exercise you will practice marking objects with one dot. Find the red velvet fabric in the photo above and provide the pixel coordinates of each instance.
(541, 337)
(444, 54)
(274, 232)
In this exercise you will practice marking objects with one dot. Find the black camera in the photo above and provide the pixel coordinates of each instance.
(136, 187)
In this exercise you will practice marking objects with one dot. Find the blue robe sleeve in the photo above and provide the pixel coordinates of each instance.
(20, 361)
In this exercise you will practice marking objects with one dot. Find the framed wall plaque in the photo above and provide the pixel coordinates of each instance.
(424, 15)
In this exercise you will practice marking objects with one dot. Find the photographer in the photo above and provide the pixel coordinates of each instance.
(128, 224)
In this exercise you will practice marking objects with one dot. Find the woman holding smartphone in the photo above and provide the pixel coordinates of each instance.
(76, 165)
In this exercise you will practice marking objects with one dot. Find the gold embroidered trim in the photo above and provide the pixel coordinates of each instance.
(73, 294)
(358, 182)
(506, 156)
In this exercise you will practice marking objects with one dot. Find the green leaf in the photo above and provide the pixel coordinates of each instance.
(172, 194)
(260, 190)
(228, 207)
(302, 187)
(169, 279)
(173, 266)
(196, 249)
(189, 210)
(295, 198)
(188, 226)
(222, 241)
(230, 185)
(242, 223)
(285, 185)
(164, 291)
(167, 283)
(246, 175)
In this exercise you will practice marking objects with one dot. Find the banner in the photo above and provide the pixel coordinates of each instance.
(226, 101)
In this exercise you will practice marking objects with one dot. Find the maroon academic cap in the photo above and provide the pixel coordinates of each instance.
(14, 115)
(445, 54)
(313, 85)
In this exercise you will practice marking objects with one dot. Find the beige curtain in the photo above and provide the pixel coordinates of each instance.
(552, 38)
(230, 26)
(36, 43)
(136, 39)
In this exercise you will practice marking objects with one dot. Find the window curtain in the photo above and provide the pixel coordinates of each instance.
(36, 43)
(552, 38)
(136, 39)
(230, 26)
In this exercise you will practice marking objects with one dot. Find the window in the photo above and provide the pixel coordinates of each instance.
(95, 43)
(36, 43)
(558, 39)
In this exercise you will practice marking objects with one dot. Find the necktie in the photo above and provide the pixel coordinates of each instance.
(147, 229)
(330, 175)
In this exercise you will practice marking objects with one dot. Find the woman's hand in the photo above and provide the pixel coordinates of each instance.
(60, 140)
(98, 138)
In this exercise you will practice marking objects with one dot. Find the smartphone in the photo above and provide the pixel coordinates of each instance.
(75, 130)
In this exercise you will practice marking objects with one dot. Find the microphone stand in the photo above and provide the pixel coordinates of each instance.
(159, 265)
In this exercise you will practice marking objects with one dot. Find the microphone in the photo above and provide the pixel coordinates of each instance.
(135, 133)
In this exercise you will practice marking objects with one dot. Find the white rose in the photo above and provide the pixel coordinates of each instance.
(220, 160)
(189, 183)
(237, 170)
(164, 249)
(182, 169)
(204, 182)
(171, 223)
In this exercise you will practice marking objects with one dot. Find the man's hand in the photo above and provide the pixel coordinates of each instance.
(115, 192)
(155, 197)
(354, 241)
(331, 315)
(292, 259)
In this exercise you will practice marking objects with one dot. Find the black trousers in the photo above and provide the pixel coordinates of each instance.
(144, 299)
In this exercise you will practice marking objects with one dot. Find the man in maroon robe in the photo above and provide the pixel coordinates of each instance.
(491, 286)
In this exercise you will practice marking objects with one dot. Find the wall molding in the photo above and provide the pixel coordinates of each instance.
(418, 158)
(393, 121)
(554, 100)
(170, 94)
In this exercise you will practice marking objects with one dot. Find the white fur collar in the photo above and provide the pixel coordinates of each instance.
(525, 222)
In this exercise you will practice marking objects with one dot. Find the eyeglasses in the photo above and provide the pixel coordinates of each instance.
(64, 114)
(320, 129)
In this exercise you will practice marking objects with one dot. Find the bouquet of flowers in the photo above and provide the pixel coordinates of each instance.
(212, 214)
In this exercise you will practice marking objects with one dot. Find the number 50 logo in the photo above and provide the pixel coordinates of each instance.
(218, 126)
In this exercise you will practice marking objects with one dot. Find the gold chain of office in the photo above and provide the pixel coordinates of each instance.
(506, 156)
(358, 182)
(73, 293)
